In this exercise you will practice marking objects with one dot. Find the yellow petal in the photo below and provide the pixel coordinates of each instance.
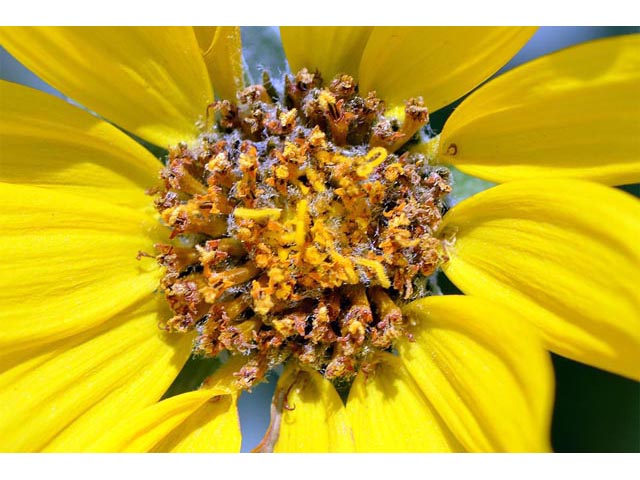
(484, 371)
(570, 114)
(562, 253)
(69, 263)
(205, 420)
(195, 422)
(60, 396)
(221, 49)
(48, 143)
(331, 50)
(151, 81)
(389, 413)
(307, 415)
(440, 64)
(214, 427)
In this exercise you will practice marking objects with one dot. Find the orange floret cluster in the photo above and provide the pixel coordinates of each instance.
(298, 227)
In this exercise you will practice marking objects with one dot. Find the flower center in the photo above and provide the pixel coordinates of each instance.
(299, 227)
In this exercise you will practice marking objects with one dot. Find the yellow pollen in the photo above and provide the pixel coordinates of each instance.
(257, 213)
(378, 270)
(314, 179)
(325, 99)
(287, 118)
(303, 188)
(347, 266)
(301, 223)
(356, 328)
(282, 172)
(363, 171)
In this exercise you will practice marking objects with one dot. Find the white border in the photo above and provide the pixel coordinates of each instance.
(310, 467)
(319, 12)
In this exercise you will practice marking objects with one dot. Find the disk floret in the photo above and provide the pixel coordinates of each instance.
(299, 227)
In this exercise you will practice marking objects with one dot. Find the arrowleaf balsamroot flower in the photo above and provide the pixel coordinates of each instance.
(299, 231)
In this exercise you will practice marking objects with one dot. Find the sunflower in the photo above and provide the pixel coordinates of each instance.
(300, 231)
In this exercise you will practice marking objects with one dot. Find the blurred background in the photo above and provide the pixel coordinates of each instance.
(595, 411)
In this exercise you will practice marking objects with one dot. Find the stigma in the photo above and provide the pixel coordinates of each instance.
(299, 226)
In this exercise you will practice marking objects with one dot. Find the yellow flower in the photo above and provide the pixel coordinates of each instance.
(549, 259)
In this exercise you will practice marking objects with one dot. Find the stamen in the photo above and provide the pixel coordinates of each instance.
(229, 278)
(416, 117)
(232, 309)
(223, 246)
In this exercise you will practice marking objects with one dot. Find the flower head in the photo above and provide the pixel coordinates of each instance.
(299, 232)
(301, 228)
